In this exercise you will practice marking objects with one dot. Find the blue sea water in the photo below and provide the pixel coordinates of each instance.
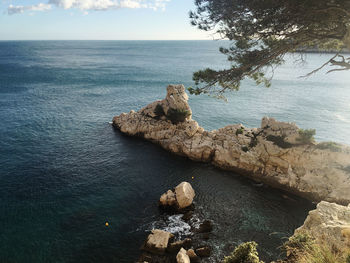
(65, 172)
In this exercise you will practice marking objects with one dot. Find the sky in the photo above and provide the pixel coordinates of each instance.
(97, 20)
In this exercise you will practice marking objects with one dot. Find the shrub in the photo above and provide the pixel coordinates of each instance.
(177, 115)
(348, 259)
(240, 131)
(334, 147)
(159, 111)
(306, 136)
(301, 248)
(297, 244)
(244, 253)
(279, 141)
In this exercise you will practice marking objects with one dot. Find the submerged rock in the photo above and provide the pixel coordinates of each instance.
(274, 154)
(329, 223)
(203, 252)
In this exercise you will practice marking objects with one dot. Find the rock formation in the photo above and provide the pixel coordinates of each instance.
(157, 241)
(329, 223)
(182, 197)
(277, 153)
(182, 256)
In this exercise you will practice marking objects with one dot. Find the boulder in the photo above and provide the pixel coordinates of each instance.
(175, 246)
(203, 252)
(182, 256)
(329, 223)
(192, 255)
(184, 195)
(168, 199)
(205, 227)
(157, 241)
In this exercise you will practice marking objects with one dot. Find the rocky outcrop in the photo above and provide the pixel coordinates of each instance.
(329, 224)
(276, 153)
(181, 198)
(157, 241)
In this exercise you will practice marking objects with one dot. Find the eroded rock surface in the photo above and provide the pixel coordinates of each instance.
(271, 154)
(329, 223)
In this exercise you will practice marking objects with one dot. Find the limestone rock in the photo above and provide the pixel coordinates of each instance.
(270, 154)
(157, 241)
(184, 195)
(168, 199)
(182, 256)
(329, 223)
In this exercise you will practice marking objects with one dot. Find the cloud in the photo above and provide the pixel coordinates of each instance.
(21, 9)
(90, 5)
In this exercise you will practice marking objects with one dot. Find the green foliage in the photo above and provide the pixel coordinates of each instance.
(263, 31)
(332, 146)
(240, 131)
(301, 248)
(159, 111)
(177, 115)
(306, 136)
(244, 253)
(279, 141)
(348, 259)
(297, 244)
(245, 149)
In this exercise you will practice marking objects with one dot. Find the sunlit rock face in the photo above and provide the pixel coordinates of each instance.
(273, 154)
(329, 224)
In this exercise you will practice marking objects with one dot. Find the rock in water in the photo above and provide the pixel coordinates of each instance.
(181, 198)
(329, 223)
(184, 195)
(203, 252)
(193, 256)
(168, 199)
(157, 241)
(274, 154)
(182, 256)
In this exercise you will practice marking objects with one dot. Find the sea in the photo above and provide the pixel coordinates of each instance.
(65, 171)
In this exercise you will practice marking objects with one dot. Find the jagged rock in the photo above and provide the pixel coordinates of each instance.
(175, 246)
(157, 241)
(182, 256)
(180, 199)
(168, 199)
(193, 256)
(184, 195)
(269, 154)
(203, 252)
(329, 223)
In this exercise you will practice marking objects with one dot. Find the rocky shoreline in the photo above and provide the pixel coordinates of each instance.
(278, 154)
(328, 224)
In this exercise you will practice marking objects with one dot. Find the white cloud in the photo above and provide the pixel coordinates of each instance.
(87, 5)
(20, 8)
